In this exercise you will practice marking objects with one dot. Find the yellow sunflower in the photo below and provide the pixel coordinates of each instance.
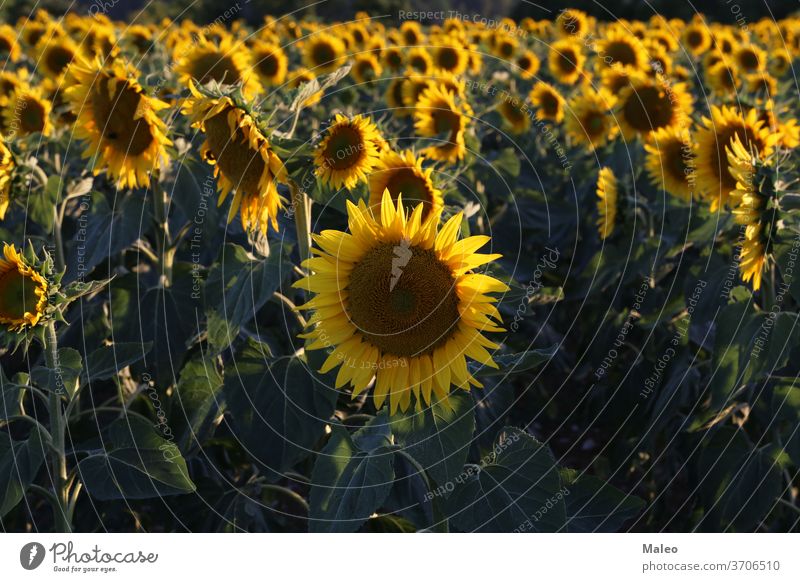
(747, 206)
(714, 180)
(670, 161)
(449, 55)
(54, 55)
(722, 79)
(566, 61)
(206, 61)
(397, 300)
(395, 97)
(588, 120)
(438, 115)
(411, 33)
(323, 53)
(366, 69)
(23, 291)
(27, 112)
(420, 60)
(6, 176)
(749, 58)
(607, 190)
(616, 78)
(515, 114)
(9, 45)
(119, 122)
(548, 102)
(505, 46)
(393, 58)
(270, 63)
(528, 64)
(696, 37)
(242, 158)
(572, 23)
(620, 47)
(401, 173)
(348, 152)
(648, 104)
(140, 36)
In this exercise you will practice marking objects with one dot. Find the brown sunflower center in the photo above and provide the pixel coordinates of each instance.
(524, 63)
(678, 161)
(5, 45)
(17, 295)
(239, 163)
(694, 38)
(622, 52)
(446, 121)
(648, 108)
(419, 63)
(506, 49)
(345, 147)
(403, 299)
(58, 58)
(724, 139)
(748, 59)
(394, 59)
(414, 188)
(448, 58)
(268, 65)
(594, 123)
(549, 104)
(32, 115)
(119, 118)
(215, 67)
(512, 113)
(323, 54)
(567, 62)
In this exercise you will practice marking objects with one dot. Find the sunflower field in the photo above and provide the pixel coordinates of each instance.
(420, 273)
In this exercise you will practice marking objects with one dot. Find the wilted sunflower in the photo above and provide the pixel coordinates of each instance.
(528, 64)
(401, 173)
(566, 61)
(747, 205)
(119, 122)
(9, 45)
(398, 300)
(226, 62)
(270, 62)
(548, 102)
(366, 68)
(714, 181)
(300, 77)
(323, 53)
(348, 152)
(607, 187)
(438, 115)
(514, 114)
(670, 161)
(588, 120)
(648, 104)
(621, 47)
(23, 291)
(6, 175)
(27, 112)
(242, 158)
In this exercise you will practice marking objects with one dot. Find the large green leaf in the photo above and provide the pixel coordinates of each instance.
(515, 363)
(596, 506)
(352, 477)
(736, 327)
(279, 408)
(439, 436)
(19, 463)
(137, 464)
(518, 489)
(106, 361)
(199, 400)
(10, 393)
(64, 378)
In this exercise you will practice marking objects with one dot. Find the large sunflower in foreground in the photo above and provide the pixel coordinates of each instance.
(348, 152)
(23, 291)
(648, 104)
(401, 173)
(748, 205)
(670, 161)
(439, 115)
(119, 121)
(242, 158)
(206, 61)
(607, 191)
(398, 301)
(714, 180)
(6, 175)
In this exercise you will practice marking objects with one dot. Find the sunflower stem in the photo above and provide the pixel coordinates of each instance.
(57, 430)
(302, 219)
(164, 248)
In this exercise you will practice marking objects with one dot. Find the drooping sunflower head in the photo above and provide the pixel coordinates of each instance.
(323, 53)
(9, 45)
(515, 114)
(670, 161)
(589, 121)
(438, 115)
(242, 157)
(528, 64)
(27, 112)
(224, 63)
(548, 101)
(403, 176)
(7, 167)
(366, 68)
(300, 77)
(714, 180)
(566, 61)
(648, 104)
(118, 121)
(348, 151)
(607, 190)
(620, 47)
(270, 62)
(23, 291)
(397, 300)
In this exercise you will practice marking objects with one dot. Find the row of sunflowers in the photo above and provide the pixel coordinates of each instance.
(358, 169)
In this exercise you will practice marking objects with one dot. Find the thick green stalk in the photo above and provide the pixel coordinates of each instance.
(302, 219)
(57, 431)
(163, 239)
